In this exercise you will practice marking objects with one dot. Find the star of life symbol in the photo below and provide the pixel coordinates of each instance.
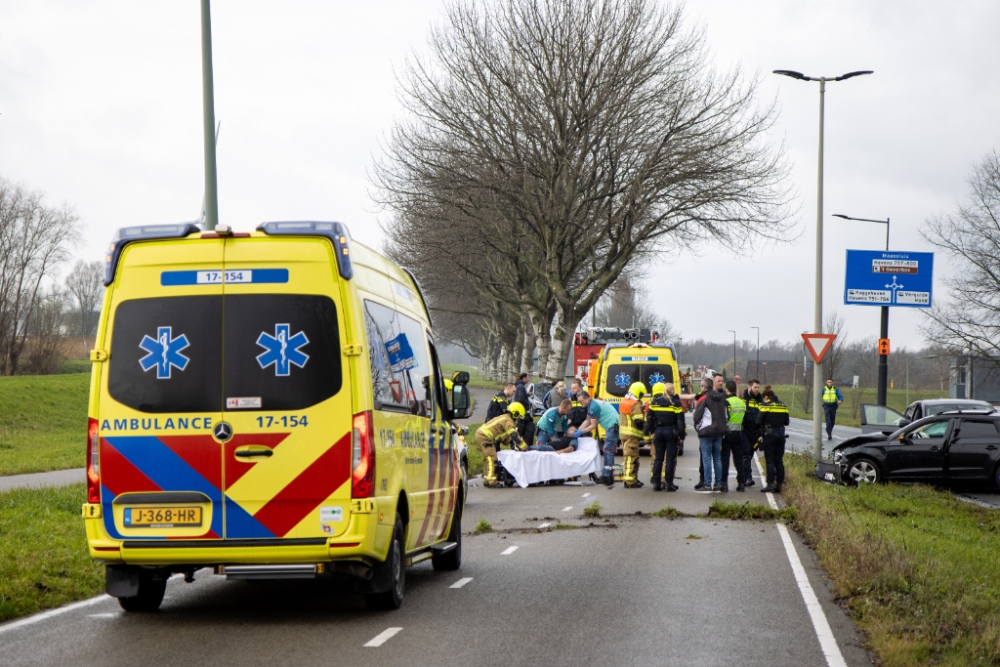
(894, 286)
(282, 350)
(164, 352)
(623, 380)
(656, 378)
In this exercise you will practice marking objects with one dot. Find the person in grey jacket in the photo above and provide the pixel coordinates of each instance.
(710, 421)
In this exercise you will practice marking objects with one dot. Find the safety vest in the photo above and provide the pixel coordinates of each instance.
(737, 409)
(829, 394)
(628, 410)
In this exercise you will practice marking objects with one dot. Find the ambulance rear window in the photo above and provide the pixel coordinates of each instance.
(166, 354)
(621, 376)
(283, 349)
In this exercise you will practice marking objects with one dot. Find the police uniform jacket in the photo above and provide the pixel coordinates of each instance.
(498, 406)
(578, 414)
(773, 416)
(665, 412)
(753, 409)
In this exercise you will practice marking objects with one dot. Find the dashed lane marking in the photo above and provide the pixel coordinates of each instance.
(461, 582)
(827, 642)
(508, 551)
(383, 637)
(544, 525)
(566, 509)
(586, 495)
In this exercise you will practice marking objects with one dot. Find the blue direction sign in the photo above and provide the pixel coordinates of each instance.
(889, 278)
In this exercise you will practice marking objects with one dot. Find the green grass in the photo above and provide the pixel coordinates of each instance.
(483, 526)
(475, 379)
(917, 567)
(77, 366)
(668, 512)
(853, 398)
(749, 510)
(474, 452)
(44, 560)
(593, 509)
(43, 422)
(564, 526)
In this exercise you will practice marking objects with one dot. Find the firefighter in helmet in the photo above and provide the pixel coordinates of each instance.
(631, 419)
(499, 431)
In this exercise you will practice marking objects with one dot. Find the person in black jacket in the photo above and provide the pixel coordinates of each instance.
(750, 427)
(665, 421)
(578, 414)
(521, 391)
(773, 418)
(498, 404)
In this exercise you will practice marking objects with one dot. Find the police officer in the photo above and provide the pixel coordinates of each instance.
(578, 414)
(752, 397)
(665, 420)
(631, 416)
(498, 404)
(773, 418)
(733, 442)
(498, 431)
(832, 398)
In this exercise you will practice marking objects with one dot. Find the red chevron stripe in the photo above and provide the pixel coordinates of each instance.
(304, 494)
(118, 474)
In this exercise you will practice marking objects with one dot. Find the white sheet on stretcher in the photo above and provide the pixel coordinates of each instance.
(533, 467)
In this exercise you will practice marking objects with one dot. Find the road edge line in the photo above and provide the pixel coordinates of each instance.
(58, 611)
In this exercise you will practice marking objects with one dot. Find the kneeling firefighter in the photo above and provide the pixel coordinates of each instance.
(665, 421)
(498, 431)
(631, 420)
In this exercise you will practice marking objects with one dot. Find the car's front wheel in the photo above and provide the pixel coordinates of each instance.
(864, 471)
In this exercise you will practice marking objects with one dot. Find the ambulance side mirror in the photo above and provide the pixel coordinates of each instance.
(460, 400)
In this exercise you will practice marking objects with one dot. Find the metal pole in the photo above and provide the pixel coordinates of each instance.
(818, 315)
(883, 359)
(208, 120)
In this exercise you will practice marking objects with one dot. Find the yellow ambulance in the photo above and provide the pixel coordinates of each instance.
(268, 405)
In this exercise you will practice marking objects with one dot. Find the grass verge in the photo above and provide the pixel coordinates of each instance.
(750, 510)
(668, 512)
(44, 561)
(43, 422)
(474, 453)
(917, 567)
(475, 379)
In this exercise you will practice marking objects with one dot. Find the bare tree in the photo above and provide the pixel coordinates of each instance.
(970, 320)
(576, 137)
(35, 239)
(834, 360)
(85, 284)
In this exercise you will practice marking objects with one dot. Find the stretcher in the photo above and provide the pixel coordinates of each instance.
(534, 467)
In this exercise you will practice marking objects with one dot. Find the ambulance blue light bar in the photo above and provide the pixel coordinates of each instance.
(335, 231)
(127, 235)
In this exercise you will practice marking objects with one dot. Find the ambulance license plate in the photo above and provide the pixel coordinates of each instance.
(162, 517)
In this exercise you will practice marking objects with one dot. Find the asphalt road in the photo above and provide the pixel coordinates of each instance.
(623, 589)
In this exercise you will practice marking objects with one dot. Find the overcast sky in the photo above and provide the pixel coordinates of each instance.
(100, 107)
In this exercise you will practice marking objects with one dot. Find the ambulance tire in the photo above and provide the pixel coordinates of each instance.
(150, 594)
(394, 571)
(453, 559)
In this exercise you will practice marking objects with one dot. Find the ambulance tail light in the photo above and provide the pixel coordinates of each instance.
(93, 462)
(363, 457)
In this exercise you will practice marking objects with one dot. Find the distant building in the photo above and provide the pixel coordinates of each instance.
(980, 379)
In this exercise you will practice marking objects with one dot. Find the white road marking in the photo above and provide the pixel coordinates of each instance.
(461, 582)
(763, 480)
(53, 612)
(383, 637)
(111, 615)
(544, 525)
(508, 551)
(586, 495)
(566, 509)
(827, 642)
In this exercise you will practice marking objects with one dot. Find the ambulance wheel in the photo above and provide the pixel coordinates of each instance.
(453, 559)
(395, 571)
(149, 597)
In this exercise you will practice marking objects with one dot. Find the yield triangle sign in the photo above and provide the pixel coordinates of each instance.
(814, 340)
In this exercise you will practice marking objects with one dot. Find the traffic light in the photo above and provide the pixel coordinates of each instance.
(883, 347)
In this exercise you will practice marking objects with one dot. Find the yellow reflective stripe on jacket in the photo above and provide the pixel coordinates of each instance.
(774, 408)
(666, 408)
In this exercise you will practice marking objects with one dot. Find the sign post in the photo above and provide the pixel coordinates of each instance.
(887, 279)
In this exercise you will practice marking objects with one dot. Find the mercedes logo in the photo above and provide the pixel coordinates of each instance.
(222, 431)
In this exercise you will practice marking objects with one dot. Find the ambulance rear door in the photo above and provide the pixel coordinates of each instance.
(286, 392)
(160, 393)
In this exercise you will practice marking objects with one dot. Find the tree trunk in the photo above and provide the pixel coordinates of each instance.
(528, 348)
(562, 346)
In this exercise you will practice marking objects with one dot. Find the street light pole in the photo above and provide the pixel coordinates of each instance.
(756, 368)
(734, 351)
(208, 118)
(818, 314)
(883, 359)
